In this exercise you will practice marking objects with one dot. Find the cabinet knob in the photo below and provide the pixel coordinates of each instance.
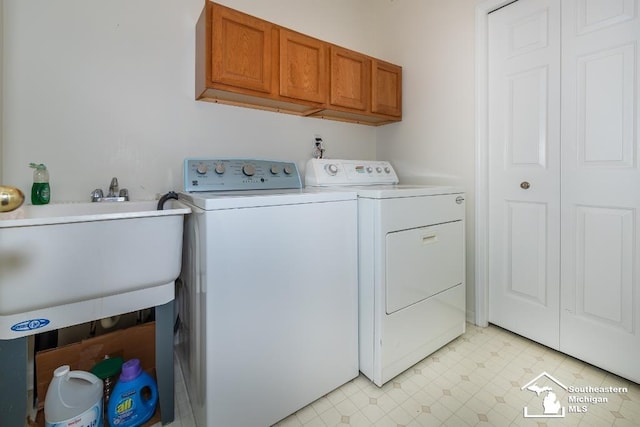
(525, 185)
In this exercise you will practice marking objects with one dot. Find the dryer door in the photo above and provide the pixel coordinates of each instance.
(422, 262)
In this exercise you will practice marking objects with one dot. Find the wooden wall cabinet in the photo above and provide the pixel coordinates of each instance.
(363, 89)
(386, 90)
(350, 79)
(241, 50)
(246, 61)
(302, 67)
(239, 62)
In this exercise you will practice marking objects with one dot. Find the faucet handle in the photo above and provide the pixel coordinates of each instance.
(96, 195)
(124, 193)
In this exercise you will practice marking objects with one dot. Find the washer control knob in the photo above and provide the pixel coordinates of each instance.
(387, 169)
(288, 170)
(249, 169)
(201, 169)
(331, 169)
(275, 170)
(369, 169)
(379, 169)
(220, 168)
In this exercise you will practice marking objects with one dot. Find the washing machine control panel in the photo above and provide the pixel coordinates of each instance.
(231, 174)
(329, 172)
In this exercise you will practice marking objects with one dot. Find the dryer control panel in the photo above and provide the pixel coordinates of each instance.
(231, 174)
(330, 172)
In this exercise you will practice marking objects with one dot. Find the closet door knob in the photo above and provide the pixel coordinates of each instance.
(525, 185)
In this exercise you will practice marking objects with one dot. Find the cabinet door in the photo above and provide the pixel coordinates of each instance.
(386, 88)
(302, 67)
(350, 79)
(241, 49)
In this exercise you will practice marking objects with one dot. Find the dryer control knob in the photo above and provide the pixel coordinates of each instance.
(369, 169)
(249, 169)
(288, 170)
(387, 169)
(331, 169)
(275, 170)
(220, 168)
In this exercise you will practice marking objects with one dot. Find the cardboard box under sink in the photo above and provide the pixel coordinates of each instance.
(134, 342)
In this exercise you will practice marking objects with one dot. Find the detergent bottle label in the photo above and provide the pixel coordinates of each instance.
(92, 417)
(125, 410)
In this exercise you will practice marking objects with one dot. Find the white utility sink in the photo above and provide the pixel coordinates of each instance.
(68, 263)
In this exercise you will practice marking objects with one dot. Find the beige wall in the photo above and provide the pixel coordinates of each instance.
(101, 89)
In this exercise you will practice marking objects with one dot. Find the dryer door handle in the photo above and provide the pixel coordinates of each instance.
(428, 239)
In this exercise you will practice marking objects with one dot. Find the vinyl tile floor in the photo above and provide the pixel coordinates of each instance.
(486, 377)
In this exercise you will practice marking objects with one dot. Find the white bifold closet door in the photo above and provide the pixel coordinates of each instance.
(600, 291)
(524, 169)
(564, 202)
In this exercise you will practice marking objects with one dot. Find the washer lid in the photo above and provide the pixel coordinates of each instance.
(217, 200)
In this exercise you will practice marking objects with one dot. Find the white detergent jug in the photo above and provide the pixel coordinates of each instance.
(74, 398)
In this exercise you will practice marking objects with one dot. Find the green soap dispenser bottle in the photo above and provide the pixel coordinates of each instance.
(40, 191)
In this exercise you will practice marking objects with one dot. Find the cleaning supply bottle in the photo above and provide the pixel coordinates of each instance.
(107, 370)
(74, 399)
(133, 399)
(40, 191)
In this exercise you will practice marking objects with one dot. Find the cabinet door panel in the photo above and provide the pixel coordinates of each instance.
(302, 67)
(386, 91)
(350, 79)
(241, 50)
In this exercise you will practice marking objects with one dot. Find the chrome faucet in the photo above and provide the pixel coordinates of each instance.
(113, 187)
(115, 193)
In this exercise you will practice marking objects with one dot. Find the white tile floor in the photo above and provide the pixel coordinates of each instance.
(474, 380)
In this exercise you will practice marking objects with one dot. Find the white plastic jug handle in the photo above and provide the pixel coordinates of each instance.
(87, 376)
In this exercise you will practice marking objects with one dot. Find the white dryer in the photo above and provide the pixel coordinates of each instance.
(411, 263)
(268, 302)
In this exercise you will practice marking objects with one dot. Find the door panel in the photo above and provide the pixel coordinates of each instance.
(350, 79)
(241, 49)
(524, 170)
(302, 67)
(595, 15)
(601, 184)
(527, 116)
(527, 262)
(605, 83)
(604, 267)
(386, 88)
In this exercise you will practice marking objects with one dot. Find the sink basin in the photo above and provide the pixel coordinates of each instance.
(68, 263)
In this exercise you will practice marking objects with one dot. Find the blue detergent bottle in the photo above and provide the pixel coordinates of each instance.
(133, 399)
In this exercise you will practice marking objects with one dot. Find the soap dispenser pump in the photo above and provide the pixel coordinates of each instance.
(40, 191)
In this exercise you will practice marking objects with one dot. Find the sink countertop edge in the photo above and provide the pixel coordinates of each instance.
(123, 210)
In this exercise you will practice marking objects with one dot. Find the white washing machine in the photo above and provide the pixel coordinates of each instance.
(411, 263)
(268, 296)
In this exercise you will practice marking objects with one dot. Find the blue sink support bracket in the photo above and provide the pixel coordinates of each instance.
(13, 382)
(164, 360)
